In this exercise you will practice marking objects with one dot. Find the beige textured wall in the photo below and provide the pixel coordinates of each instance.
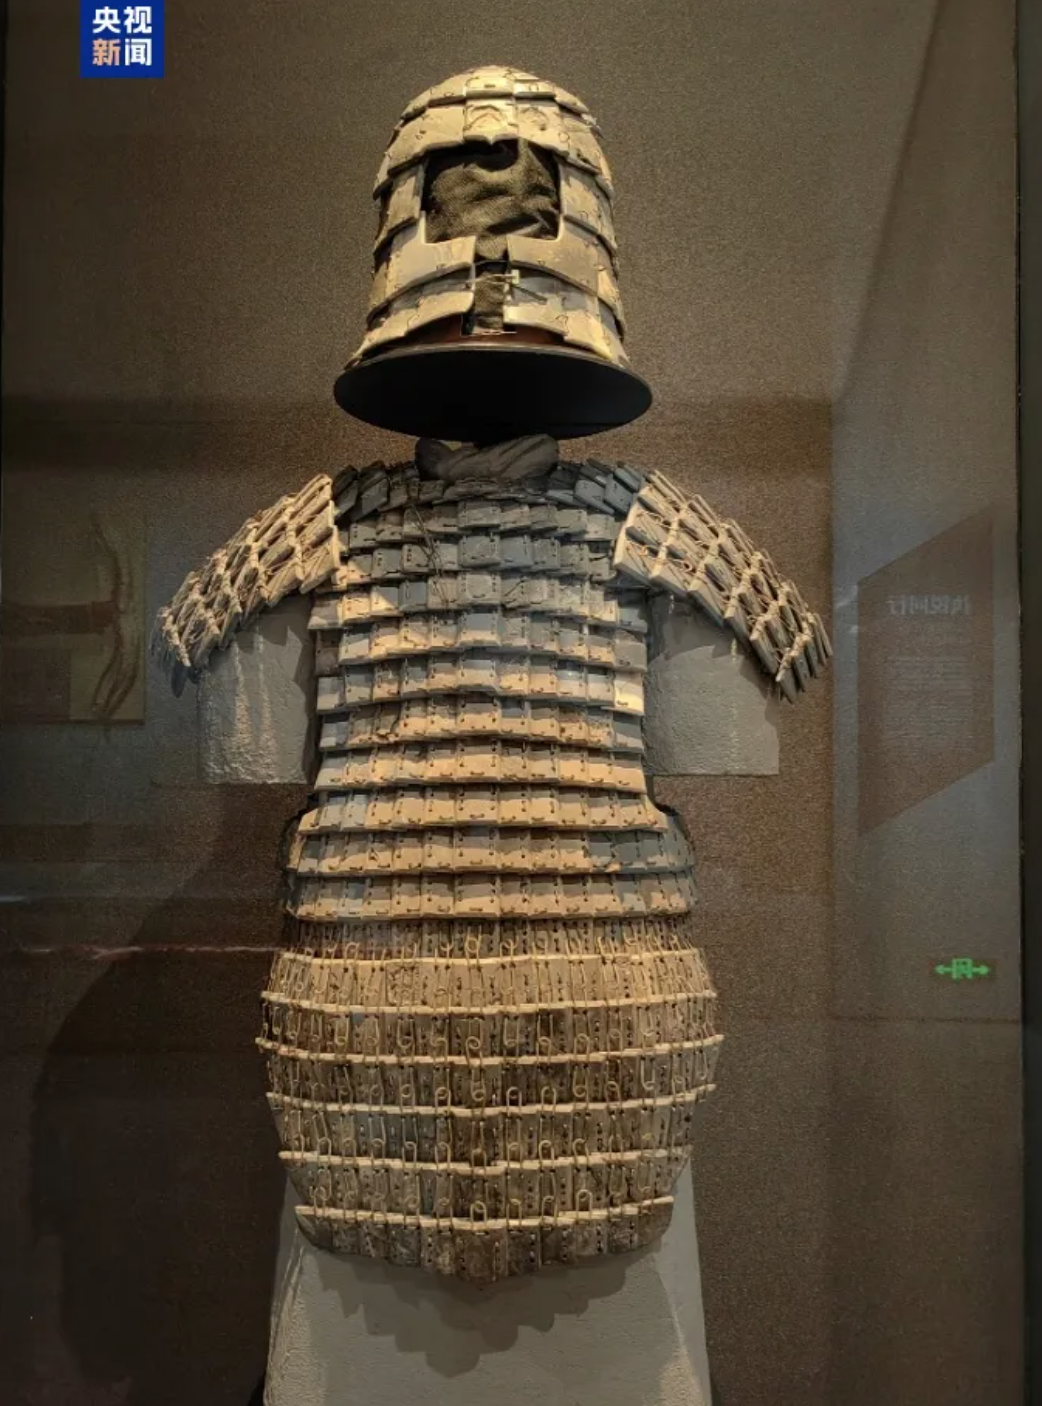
(185, 264)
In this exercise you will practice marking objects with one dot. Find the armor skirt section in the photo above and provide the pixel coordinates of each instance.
(482, 1098)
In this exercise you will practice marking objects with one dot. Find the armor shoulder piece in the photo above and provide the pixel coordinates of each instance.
(679, 545)
(595, 484)
(292, 546)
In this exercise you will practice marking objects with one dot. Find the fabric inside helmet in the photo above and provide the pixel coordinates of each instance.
(490, 190)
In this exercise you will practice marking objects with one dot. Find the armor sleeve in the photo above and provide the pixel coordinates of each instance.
(292, 546)
(679, 545)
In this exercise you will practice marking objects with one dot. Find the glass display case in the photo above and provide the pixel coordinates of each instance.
(817, 222)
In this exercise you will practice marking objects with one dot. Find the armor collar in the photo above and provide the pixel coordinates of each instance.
(508, 462)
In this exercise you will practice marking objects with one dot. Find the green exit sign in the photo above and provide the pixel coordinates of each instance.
(964, 969)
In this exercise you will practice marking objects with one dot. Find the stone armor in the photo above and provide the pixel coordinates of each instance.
(490, 1023)
(567, 285)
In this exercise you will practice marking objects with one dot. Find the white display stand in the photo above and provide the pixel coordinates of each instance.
(625, 1330)
(622, 1330)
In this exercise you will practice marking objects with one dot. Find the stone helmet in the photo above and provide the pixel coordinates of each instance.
(495, 307)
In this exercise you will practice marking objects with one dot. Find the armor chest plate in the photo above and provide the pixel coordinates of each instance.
(480, 676)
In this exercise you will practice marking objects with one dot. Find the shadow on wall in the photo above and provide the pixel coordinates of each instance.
(155, 1164)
